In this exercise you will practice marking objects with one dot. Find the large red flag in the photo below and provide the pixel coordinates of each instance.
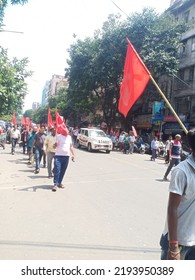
(135, 79)
(14, 121)
(49, 119)
(60, 125)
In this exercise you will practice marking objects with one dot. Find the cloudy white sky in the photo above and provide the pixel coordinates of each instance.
(48, 26)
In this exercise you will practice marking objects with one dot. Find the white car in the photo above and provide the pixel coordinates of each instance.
(94, 139)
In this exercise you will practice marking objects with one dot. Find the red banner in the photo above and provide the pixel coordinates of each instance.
(136, 77)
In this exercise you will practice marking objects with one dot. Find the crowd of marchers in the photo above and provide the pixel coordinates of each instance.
(42, 145)
(178, 237)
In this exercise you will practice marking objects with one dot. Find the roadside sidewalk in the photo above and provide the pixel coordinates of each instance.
(15, 173)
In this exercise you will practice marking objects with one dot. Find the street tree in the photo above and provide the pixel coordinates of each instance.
(13, 87)
(28, 114)
(5, 3)
(40, 115)
(82, 76)
(96, 64)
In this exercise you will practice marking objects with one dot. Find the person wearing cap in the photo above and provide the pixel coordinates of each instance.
(174, 155)
(178, 238)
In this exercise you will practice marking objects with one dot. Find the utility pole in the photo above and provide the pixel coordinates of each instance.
(11, 31)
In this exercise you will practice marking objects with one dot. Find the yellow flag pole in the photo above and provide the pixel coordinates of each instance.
(169, 105)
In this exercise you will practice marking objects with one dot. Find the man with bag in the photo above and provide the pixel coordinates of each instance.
(179, 243)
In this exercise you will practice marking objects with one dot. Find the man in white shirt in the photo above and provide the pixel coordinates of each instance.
(121, 140)
(64, 149)
(154, 148)
(75, 133)
(15, 138)
(168, 145)
(178, 239)
(131, 142)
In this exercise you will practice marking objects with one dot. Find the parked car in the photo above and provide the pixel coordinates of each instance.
(94, 139)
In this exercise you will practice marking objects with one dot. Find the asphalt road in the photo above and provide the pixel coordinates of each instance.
(113, 207)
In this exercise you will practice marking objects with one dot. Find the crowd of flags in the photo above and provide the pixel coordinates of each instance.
(59, 122)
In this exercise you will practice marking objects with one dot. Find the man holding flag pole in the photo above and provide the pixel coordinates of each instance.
(178, 238)
(64, 150)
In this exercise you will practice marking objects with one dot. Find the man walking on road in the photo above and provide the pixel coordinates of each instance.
(180, 241)
(174, 155)
(39, 148)
(167, 147)
(15, 138)
(49, 143)
(64, 149)
(131, 142)
(154, 148)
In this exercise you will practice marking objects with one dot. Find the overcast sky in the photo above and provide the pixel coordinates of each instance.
(48, 26)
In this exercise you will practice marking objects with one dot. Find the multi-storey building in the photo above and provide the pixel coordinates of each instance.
(183, 85)
(35, 106)
(55, 84)
(180, 89)
(45, 93)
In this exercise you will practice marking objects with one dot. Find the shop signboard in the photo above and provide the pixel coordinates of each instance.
(158, 110)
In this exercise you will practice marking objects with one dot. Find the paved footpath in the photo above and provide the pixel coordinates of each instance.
(113, 207)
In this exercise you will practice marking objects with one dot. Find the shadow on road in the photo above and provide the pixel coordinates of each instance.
(95, 247)
(35, 188)
(26, 170)
(161, 180)
(37, 176)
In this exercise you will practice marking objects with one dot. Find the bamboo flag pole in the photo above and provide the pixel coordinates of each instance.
(159, 90)
(169, 105)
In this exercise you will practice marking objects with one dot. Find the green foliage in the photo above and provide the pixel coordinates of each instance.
(96, 64)
(28, 114)
(12, 83)
(6, 118)
(40, 115)
(5, 3)
(160, 47)
(57, 101)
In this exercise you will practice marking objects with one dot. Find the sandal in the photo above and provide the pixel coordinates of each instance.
(61, 186)
(54, 189)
